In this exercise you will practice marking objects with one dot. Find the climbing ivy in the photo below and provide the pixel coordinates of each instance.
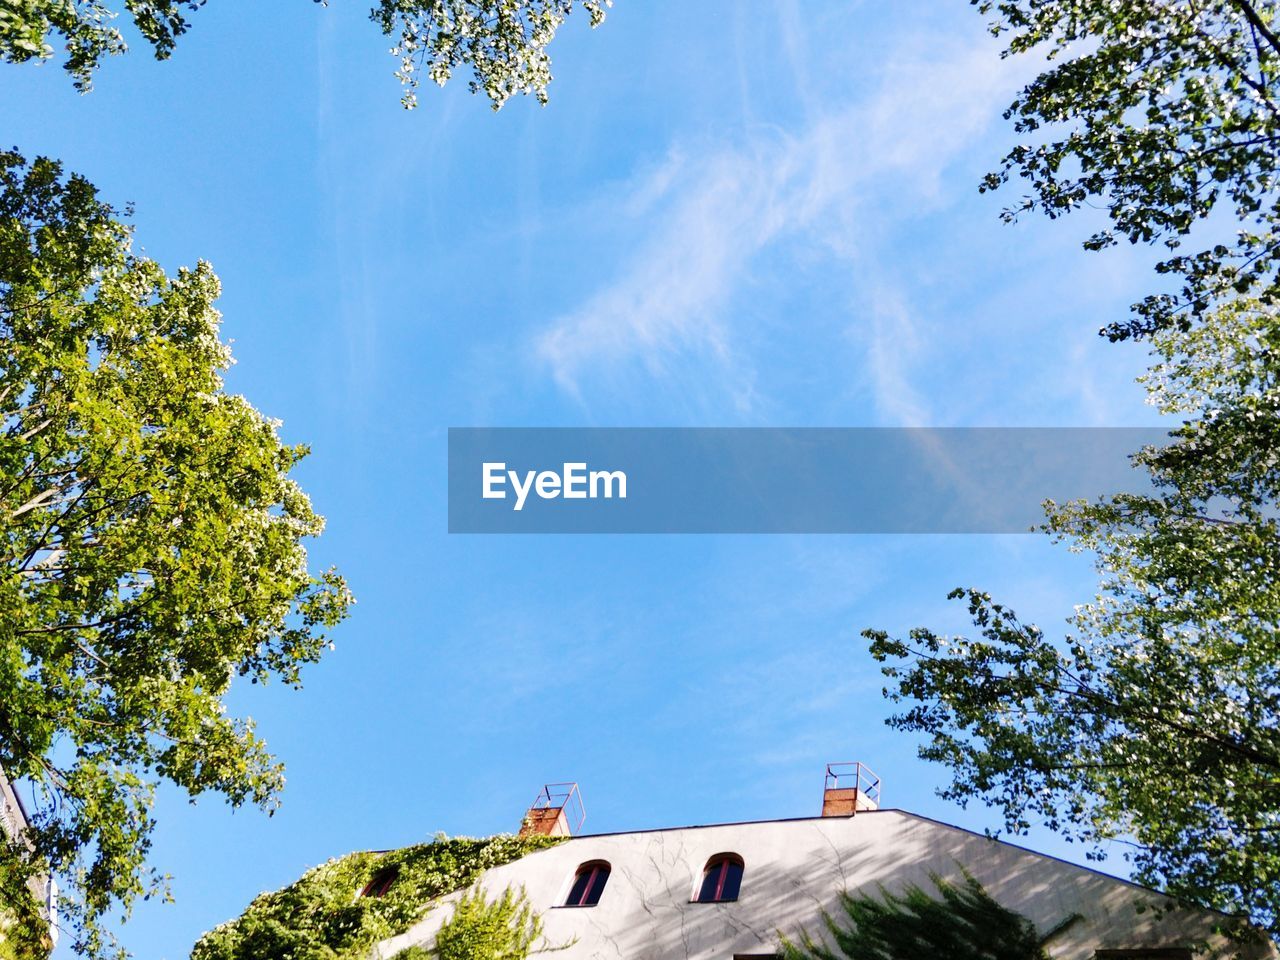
(503, 929)
(323, 916)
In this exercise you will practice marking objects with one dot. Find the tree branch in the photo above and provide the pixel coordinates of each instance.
(1256, 21)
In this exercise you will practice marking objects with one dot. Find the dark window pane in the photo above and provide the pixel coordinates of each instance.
(710, 883)
(600, 876)
(732, 880)
(721, 881)
(588, 884)
(579, 888)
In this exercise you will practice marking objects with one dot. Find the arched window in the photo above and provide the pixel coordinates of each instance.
(381, 882)
(588, 884)
(721, 879)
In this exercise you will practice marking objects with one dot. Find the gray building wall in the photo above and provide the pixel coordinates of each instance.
(794, 869)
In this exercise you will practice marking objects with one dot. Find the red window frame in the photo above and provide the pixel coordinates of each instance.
(720, 865)
(597, 873)
(380, 883)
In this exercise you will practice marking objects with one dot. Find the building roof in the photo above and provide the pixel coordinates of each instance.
(907, 813)
(794, 869)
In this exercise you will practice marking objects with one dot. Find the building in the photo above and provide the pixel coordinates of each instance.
(13, 823)
(724, 891)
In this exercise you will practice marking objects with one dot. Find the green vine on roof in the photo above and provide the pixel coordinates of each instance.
(324, 917)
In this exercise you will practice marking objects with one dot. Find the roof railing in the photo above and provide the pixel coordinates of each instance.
(853, 776)
(566, 797)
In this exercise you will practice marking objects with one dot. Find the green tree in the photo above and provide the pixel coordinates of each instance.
(1160, 114)
(503, 42)
(1153, 724)
(151, 542)
(1156, 720)
(24, 928)
(962, 923)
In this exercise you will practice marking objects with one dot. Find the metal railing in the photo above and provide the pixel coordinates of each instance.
(851, 776)
(566, 797)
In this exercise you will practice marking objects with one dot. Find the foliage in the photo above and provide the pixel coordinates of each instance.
(151, 542)
(505, 929)
(87, 31)
(1157, 719)
(504, 42)
(1155, 722)
(21, 939)
(24, 931)
(1160, 113)
(322, 916)
(965, 924)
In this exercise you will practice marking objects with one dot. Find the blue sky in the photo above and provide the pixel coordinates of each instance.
(731, 214)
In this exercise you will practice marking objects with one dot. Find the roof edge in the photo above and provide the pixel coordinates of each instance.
(940, 823)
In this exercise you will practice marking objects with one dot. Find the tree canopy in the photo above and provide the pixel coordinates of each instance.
(1160, 114)
(1152, 725)
(503, 42)
(152, 545)
(1155, 721)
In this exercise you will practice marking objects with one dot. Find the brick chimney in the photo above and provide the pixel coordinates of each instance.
(849, 788)
(557, 811)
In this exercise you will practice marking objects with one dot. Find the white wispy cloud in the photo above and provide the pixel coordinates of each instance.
(714, 217)
(890, 338)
